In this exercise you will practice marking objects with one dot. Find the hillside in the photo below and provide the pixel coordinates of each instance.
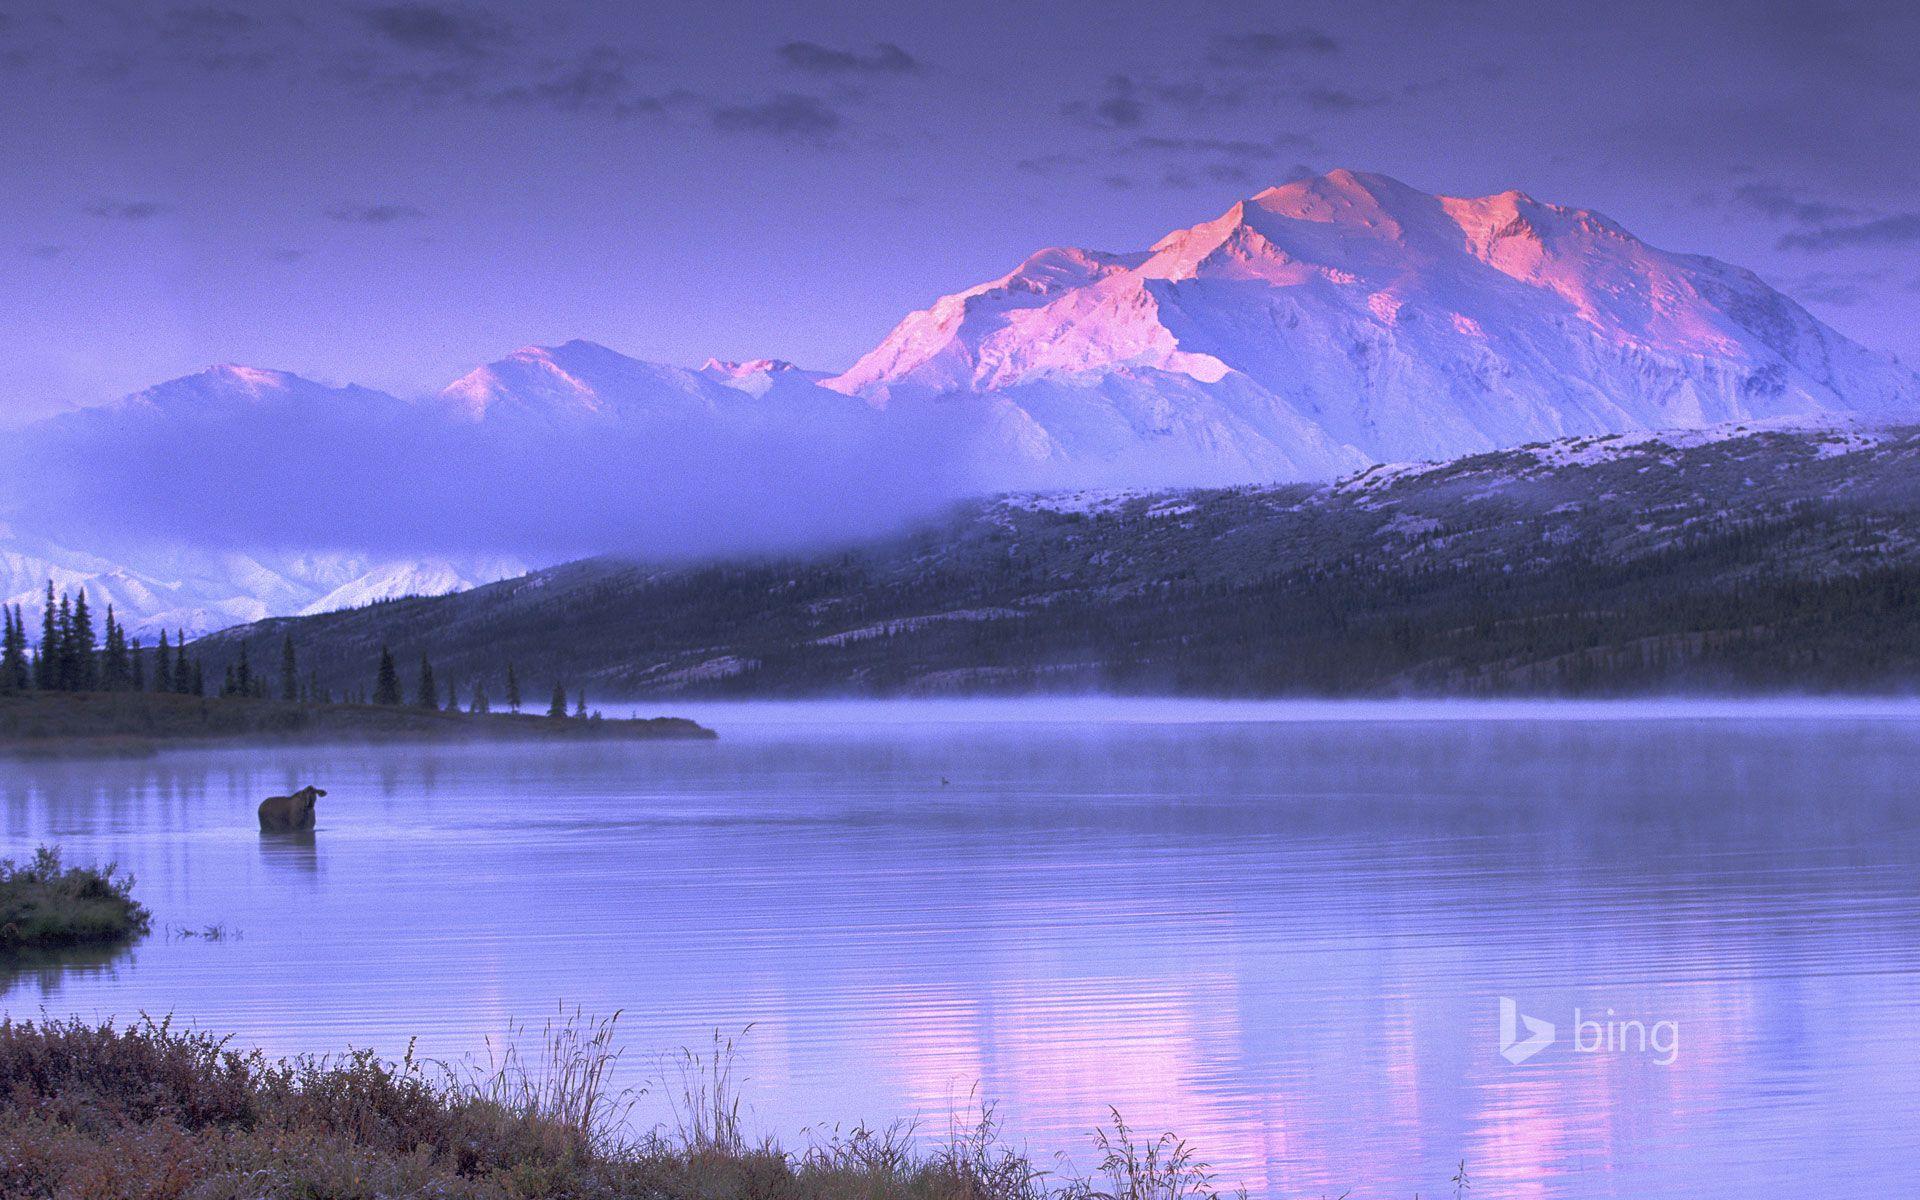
(1746, 558)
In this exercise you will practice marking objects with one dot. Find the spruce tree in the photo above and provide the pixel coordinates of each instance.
(116, 666)
(513, 689)
(480, 704)
(162, 665)
(6, 650)
(46, 674)
(86, 675)
(186, 675)
(289, 671)
(243, 674)
(557, 707)
(17, 661)
(386, 688)
(65, 671)
(427, 694)
(453, 697)
(581, 709)
(137, 663)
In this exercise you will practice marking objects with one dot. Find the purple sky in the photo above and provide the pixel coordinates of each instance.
(392, 193)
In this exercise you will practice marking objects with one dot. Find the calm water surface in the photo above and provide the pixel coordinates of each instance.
(1283, 932)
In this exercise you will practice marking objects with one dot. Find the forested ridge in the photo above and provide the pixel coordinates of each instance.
(1764, 561)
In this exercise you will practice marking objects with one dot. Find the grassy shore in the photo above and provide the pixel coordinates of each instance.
(45, 905)
(140, 722)
(151, 1111)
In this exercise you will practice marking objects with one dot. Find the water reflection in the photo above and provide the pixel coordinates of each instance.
(291, 850)
(1286, 941)
(45, 974)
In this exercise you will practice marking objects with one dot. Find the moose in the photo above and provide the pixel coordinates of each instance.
(289, 812)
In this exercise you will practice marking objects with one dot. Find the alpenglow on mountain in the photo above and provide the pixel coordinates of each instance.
(1309, 331)
(1349, 319)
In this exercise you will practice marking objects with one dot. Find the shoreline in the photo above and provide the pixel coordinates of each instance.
(1184, 710)
(139, 724)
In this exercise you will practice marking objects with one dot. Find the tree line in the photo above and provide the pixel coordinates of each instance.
(387, 690)
(71, 656)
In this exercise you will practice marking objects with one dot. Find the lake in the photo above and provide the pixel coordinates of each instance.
(1284, 931)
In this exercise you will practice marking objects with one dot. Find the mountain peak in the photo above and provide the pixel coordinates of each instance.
(1384, 321)
(737, 368)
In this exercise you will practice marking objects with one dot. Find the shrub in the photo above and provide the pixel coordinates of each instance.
(44, 904)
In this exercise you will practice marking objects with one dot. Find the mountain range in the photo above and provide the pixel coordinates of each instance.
(1744, 557)
(1309, 331)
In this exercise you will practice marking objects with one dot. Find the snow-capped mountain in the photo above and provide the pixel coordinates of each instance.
(173, 587)
(1348, 319)
(582, 380)
(1309, 331)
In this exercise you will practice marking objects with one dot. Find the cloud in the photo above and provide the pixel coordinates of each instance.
(203, 22)
(1239, 149)
(374, 214)
(788, 115)
(1900, 229)
(433, 29)
(400, 477)
(1336, 100)
(44, 253)
(885, 59)
(1839, 289)
(1123, 106)
(125, 210)
(1251, 51)
(1048, 164)
(598, 80)
(1773, 200)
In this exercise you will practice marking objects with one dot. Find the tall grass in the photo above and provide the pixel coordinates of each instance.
(559, 1078)
(159, 1113)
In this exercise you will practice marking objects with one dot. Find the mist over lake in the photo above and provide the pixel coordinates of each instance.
(1283, 931)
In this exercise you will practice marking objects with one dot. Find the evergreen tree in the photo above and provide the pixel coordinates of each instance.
(162, 666)
(289, 671)
(580, 710)
(480, 704)
(7, 679)
(557, 707)
(242, 675)
(46, 667)
(22, 670)
(513, 689)
(229, 685)
(137, 673)
(453, 697)
(81, 662)
(65, 671)
(314, 694)
(186, 675)
(116, 665)
(386, 688)
(427, 694)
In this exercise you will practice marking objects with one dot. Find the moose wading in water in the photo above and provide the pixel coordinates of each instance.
(290, 812)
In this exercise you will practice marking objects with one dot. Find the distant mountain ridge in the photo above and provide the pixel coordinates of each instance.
(1309, 331)
(1741, 558)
